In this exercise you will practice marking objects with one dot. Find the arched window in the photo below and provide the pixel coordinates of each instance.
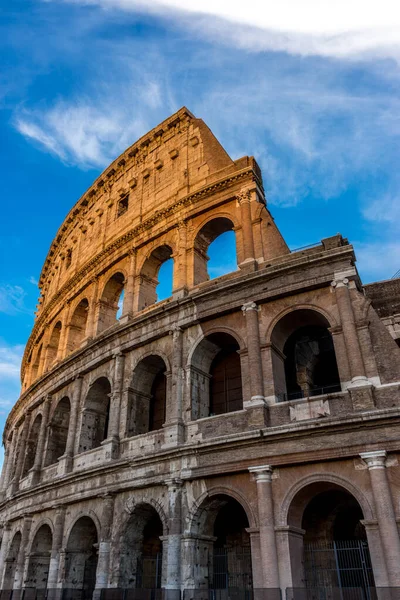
(215, 250)
(147, 396)
(109, 302)
(30, 451)
(52, 348)
(95, 415)
(149, 292)
(58, 432)
(141, 550)
(39, 559)
(81, 557)
(11, 562)
(36, 364)
(303, 356)
(216, 379)
(77, 326)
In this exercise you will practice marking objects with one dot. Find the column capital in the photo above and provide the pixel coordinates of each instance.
(173, 483)
(243, 196)
(342, 278)
(175, 331)
(375, 459)
(262, 473)
(248, 306)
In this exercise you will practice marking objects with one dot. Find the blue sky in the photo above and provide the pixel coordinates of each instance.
(311, 89)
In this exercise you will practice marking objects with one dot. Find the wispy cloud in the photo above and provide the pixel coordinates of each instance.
(384, 210)
(378, 260)
(10, 362)
(33, 280)
(12, 298)
(317, 27)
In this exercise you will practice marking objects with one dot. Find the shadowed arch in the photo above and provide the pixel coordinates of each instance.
(95, 415)
(58, 432)
(209, 231)
(54, 343)
(81, 555)
(149, 275)
(39, 558)
(109, 302)
(11, 561)
(77, 326)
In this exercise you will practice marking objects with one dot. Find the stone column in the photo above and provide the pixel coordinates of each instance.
(385, 513)
(173, 421)
(269, 556)
(180, 283)
(58, 535)
(39, 456)
(173, 550)
(244, 198)
(354, 356)
(250, 311)
(3, 551)
(115, 405)
(19, 571)
(103, 563)
(91, 320)
(129, 289)
(23, 438)
(8, 461)
(73, 421)
(63, 345)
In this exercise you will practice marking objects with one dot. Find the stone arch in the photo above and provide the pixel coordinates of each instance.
(329, 317)
(328, 478)
(39, 557)
(147, 395)
(11, 560)
(31, 445)
(109, 301)
(36, 364)
(323, 514)
(208, 231)
(220, 329)
(303, 355)
(54, 344)
(77, 325)
(82, 554)
(140, 547)
(215, 375)
(148, 274)
(58, 431)
(95, 415)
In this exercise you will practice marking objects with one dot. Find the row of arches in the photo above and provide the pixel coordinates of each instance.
(214, 255)
(329, 549)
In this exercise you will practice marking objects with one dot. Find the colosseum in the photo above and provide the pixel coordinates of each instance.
(241, 435)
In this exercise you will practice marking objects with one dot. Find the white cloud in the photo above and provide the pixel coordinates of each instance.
(384, 210)
(377, 260)
(12, 299)
(10, 363)
(33, 280)
(310, 27)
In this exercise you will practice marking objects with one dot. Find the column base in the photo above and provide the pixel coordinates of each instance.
(111, 448)
(126, 318)
(179, 293)
(249, 264)
(255, 401)
(174, 434)
(65, 465)
(362, 395)
(257, 414)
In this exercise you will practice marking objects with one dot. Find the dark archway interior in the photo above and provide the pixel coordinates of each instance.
(39, 559)
(81, 556)
(149, 276)
(310, 364)
(11, 562)
(109, 302)
(31, 445)
(147, 396)
(58, 432)
(77, 327)
(54, 343)
(95, 416)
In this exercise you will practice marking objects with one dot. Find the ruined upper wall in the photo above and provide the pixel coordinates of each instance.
(174, 159)
(385, 296)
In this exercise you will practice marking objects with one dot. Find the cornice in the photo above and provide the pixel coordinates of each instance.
(127, 237)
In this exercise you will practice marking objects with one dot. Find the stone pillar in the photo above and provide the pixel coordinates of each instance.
(4, 550)
(91, 320)
(244, 198)
(173, 422)
(173, 550)
(63, 345)
(385, 513)
(179, 288)
(58, 535)
(103, 563)
(9, 463)
(66, 462)
(19, 571)
(269, 556)
(21, 452)
(129, 289)
(39, 456)
(115, 406)
(250, 311)
(354, 356)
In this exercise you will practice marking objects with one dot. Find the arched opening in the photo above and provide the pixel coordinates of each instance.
(52, 348)
(81, 557)
(31, 445)
(334, 550)
(216, 379)
(149, 276)
(303, 356)
(39, 559)
(77, 326)
(109, 302)
(11, 562)
(58, 432)
(214, 250)
(95, 415)
(36, 365)
(397, 342)
(147, 396)
(223, 561)
(141, 550)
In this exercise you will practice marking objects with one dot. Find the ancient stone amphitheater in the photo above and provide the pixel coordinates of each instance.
(242, 434)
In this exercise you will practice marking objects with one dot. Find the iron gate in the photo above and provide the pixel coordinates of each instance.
(232, 569)
(339, 565)
(149, 572)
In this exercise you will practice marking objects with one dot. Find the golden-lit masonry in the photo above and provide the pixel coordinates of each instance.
(217, 439)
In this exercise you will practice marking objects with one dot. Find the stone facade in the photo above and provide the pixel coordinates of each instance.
(211, 439)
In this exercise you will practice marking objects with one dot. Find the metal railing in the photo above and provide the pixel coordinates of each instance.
(318, 391)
